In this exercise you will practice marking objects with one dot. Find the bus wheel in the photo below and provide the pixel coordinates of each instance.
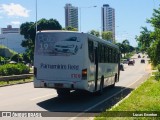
(115, 79)
(100, 92)
(63, 92)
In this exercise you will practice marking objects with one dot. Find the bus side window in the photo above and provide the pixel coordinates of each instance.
(115, 56)
(91, 50)
(99, 52)
(105, 55)
(108, 54)
(112, 55)
(102, 54)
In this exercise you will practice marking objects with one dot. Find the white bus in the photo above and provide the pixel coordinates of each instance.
(74, 61)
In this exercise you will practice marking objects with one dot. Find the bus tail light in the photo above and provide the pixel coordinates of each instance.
(35, 71)
(84, 74)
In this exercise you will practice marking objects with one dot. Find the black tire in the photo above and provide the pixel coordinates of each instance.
(101, 89)
(115, 79)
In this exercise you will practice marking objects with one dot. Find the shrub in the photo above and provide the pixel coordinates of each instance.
(23, 68)
(158, 67)
(13, 69)
(157, 76)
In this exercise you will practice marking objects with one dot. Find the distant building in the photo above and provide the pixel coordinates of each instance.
(9, 29)
(108, 19)
(12, 41)
(11, 38)
(71, 16)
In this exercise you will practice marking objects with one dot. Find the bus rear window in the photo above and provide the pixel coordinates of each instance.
(57, 44)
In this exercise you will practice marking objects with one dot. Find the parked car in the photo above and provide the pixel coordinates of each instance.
(125, 61)
(131, 62)
(12, 62)
(142, 61)
(139, 56)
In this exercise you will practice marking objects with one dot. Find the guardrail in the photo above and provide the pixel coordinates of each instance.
(15, 77)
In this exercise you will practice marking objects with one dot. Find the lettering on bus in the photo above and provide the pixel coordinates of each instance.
(75, 75)
(59, 66)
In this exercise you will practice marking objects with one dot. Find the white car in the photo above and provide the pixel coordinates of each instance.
(70, 45)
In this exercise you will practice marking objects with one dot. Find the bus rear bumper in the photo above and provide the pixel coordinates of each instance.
(61, 84)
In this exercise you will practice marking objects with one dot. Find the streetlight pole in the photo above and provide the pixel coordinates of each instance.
(154, 3)
(36, 16)
(79, 19)
(80, 15)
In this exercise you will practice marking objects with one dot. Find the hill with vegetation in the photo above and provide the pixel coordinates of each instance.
(6, 52)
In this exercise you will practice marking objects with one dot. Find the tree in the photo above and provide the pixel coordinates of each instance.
(125, 45)
(107, 35)
(51, 24)
(155, 19)
(145, 39)
(121, 47)
(17, 58)
(28, 29)
(154, 51)
(26, 57)
(95, 33)
(70, 28)
(125, 42)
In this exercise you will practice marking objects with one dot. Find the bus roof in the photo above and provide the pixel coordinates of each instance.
(87, 34)
(102, 41)
(50, 31)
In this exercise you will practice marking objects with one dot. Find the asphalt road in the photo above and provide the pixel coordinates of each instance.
(24, 97)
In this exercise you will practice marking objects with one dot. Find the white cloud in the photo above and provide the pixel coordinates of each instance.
(14, 10)
(16, 22)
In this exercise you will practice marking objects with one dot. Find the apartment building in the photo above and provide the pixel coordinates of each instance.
(108, 19)
(71, 16)
(9, 29)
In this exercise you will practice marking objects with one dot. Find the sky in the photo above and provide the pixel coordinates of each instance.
(130, 15)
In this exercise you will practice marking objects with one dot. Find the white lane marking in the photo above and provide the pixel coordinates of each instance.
(42, 97)
(73, 118)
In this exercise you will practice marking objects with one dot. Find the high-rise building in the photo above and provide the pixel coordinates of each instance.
(9, 29)
(108, 19)
(71, 16)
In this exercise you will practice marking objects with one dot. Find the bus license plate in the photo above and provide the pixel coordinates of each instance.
(58, 85)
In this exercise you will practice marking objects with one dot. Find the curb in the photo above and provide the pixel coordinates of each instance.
(15, 84)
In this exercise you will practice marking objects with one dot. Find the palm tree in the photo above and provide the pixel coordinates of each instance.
(125, 44)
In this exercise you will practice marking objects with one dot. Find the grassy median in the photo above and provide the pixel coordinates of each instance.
(141, 102)
(13, 82)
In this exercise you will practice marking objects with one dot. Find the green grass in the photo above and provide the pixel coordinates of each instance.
(13, 82)
(145, 98)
